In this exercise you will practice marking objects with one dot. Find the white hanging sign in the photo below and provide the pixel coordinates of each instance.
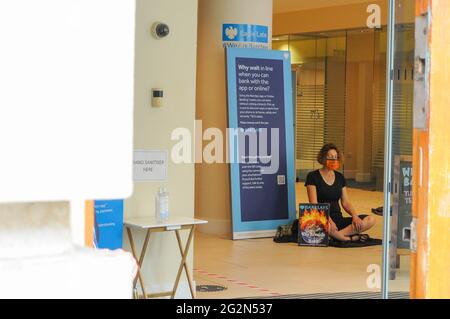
(150, 165)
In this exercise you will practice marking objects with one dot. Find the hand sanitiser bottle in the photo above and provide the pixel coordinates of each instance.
(162, 205)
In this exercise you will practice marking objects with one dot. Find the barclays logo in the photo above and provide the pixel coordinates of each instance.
(245, 33)
(231, 32)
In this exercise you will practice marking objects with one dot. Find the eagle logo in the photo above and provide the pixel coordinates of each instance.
(231, 32)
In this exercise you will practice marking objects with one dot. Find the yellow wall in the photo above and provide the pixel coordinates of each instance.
(439, 187)
(281, 45)
(170, 64)
(336, 18)
(325, 19)
(358, 109)
(431, 198)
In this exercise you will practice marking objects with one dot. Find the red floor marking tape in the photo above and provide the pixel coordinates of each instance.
(238, 282)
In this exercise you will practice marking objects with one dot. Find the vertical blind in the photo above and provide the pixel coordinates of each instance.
(402, 126)
(320, 108)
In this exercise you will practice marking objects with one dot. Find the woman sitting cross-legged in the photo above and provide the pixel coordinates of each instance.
(327, 185)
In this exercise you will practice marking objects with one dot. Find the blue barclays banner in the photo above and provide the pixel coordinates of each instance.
(248, 35)
(261, 141)
(108, 230)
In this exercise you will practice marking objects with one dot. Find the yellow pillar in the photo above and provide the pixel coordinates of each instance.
(431, 207)
(212, 181)
(89, 211)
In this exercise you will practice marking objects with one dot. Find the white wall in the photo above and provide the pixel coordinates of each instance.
(66, 99)
(170, 64)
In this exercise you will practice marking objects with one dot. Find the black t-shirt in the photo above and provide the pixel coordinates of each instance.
(326, 193)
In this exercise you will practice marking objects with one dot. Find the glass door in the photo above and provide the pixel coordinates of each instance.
(308, 64)
(319, 61)
(398, 156)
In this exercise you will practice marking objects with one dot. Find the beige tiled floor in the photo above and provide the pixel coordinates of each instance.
(271, 268)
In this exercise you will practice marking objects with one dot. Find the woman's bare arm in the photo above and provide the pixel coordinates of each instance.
(358, 224)
(348, 207)
(312, 194)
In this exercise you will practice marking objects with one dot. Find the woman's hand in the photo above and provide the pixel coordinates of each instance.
(357, 223)
(333, 227)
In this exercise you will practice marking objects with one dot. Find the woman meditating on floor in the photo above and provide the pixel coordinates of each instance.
(327, 185)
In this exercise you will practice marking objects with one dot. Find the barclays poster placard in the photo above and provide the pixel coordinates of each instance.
(262, 166)
(245, 35)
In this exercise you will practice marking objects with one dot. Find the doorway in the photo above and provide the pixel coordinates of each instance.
(341, 98)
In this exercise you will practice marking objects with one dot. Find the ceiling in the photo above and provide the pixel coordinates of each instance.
(281, 6)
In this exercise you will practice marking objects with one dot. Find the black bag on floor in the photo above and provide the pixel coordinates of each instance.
(287, 233)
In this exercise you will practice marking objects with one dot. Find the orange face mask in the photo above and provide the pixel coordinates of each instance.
(333, 165)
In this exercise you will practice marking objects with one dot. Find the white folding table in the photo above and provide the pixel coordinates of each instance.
(174, 224)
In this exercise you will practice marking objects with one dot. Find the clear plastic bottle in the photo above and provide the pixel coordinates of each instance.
(162, 205)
